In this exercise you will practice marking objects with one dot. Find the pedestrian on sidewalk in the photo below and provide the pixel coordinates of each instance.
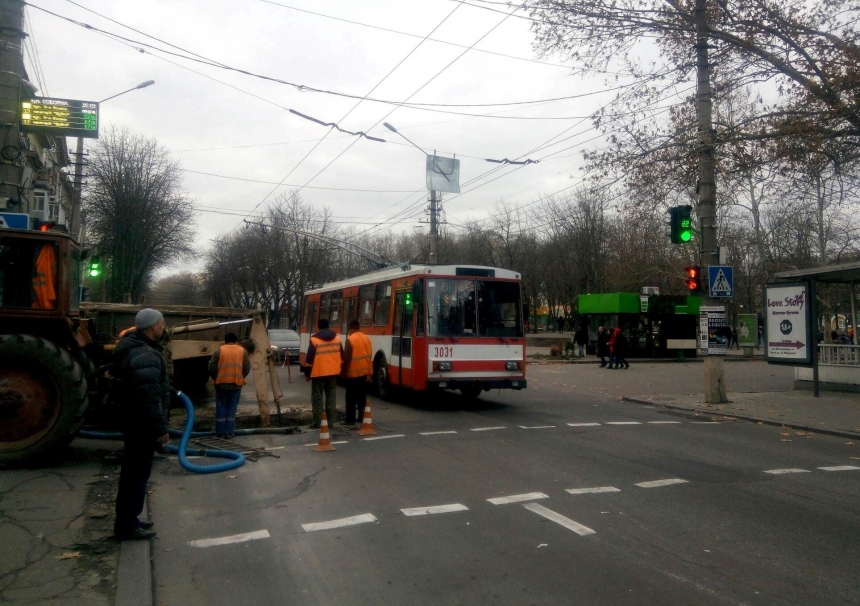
(620, 350)
(580, 339)
(143, 391)
(322, 367)
(228, 367)
(611, 344)
(733, 342)
(357, 369)
(602, 345)
(560, 321)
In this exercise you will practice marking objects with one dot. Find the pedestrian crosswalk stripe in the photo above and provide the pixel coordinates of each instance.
(549, 514)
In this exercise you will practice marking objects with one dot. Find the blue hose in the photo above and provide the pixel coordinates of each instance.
(182, 450)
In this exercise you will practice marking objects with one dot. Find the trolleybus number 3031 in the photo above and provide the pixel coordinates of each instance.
(443, 352)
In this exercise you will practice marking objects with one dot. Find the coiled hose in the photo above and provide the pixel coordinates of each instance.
(238, 459)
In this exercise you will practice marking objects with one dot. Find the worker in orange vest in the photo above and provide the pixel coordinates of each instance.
(324, 359)
(45, 280)
(228, 367)
(357, 369)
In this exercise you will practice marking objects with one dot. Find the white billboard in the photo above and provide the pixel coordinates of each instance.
(443, 174)
(788, 332)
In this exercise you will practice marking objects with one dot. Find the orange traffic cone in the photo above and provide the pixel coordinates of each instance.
(367, 424)
(325, 437)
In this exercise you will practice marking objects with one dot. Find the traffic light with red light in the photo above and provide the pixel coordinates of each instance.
(681, 224)
(693, 276)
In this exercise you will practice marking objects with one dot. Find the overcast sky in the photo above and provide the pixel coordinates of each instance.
(256, 138)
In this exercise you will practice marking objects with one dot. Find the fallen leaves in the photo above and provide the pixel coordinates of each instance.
(232, 477)
(68, 555)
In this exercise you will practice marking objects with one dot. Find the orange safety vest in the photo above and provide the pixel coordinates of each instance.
(230, 359)
(327, 358)
(126, 331)
(360, 364)
(45, 281)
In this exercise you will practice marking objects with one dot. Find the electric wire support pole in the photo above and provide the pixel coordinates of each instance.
(434, 226)
(715, 384)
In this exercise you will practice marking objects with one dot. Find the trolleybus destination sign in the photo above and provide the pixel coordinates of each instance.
(60, 117)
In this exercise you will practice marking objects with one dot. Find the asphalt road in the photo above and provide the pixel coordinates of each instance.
(686, 513)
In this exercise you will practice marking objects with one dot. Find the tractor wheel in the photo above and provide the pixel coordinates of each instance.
(43, 398)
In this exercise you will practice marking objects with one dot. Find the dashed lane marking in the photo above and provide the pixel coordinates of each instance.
(549, 514)
(537, 427)
(623, 423)
(518, 498)
(436, 433)
(840, 468)
(364, 518)
(338, 442)
(594, 490)
(423, 511)
(777, 472)
(658, 483)
(705, 423)
(396, 435)
(487, 428)
(583, 424)
(664, 422)
(236, 538)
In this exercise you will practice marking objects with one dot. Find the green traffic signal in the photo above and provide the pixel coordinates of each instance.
(681, 224)
(95, 267)
(407, 301)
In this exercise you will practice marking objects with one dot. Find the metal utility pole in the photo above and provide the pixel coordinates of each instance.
(11, 73)
(434, 226)
(715, 384)
(75, 223)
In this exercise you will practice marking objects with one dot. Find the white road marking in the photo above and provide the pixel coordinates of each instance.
(583, 424)
(777, 472)
(537, 427)
(622, 423)
(423, 511)
(487, 428)
(840, 468)
(317, 443)
(596, 489)
(664, 422)
(518, 498)
(236, 538)
(705, 422)
(396, 435)
(549, 514)
(436, 433)
(364, 518)
(657, 483)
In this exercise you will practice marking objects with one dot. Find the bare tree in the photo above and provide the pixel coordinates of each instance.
(136, 211)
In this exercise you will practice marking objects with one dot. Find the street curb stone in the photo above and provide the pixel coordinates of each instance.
(692, 412)
(134, 573)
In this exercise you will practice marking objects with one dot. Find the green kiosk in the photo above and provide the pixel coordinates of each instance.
(656, 326)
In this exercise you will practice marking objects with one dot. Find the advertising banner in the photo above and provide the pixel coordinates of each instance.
(747, 330)
(714, 334)
(788, 324)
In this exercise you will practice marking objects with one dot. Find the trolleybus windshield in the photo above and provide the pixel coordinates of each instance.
(473, 308)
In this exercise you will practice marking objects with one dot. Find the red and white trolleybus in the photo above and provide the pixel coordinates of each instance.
(432, 326)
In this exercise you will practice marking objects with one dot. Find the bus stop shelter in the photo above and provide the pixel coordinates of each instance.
(831, 363)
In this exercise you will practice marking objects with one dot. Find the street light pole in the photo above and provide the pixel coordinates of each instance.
(75, 223)
(434, 203)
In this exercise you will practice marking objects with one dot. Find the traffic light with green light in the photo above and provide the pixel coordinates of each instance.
(693, 277)
(95, 269)
(407, 302)
(681, 224)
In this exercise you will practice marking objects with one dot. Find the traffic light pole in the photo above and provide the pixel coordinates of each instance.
(715, 384)
(434, 226)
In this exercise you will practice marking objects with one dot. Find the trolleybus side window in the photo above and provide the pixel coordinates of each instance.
(310, 323)
(383, 304)
(334, 308)
(365, 302)
(324, 306)
(348, 313)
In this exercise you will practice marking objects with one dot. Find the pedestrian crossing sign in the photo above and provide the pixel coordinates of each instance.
(720, 281)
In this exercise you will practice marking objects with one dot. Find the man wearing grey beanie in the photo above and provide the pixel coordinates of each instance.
(144, 397)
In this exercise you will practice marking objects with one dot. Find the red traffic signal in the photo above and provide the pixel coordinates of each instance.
(693, 278)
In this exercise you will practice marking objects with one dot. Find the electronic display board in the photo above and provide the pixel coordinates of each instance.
(60, 117)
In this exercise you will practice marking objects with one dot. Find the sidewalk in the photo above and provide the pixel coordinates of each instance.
(833, 413)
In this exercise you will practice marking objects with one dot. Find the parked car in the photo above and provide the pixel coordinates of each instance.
(284, 342)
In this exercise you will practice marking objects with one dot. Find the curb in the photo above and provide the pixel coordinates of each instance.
(134, 572)
(530, 360)
(691, 412)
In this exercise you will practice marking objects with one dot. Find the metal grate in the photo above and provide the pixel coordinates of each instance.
(251, 453)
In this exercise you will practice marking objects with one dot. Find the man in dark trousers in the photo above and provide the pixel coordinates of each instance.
(228, 367)
(357, 370)
(143, 393)
(322, 366)
(602, 345)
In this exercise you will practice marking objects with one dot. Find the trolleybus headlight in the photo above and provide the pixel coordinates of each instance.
(443, 366)
(512, 365)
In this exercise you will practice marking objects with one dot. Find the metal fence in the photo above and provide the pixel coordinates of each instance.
(839, 355)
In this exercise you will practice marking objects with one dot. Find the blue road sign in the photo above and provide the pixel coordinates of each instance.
(721, 281)
(15, 220)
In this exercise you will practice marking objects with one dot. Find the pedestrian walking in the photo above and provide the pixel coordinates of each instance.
(733, 343)
(620, 350)
(611, 345)
(580, 339)
(357, 369)
(602, 345)
(228, 367)
(560, 321)
(322, 367)
(143, 391)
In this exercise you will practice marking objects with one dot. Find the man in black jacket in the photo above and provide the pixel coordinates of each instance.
(144, 395)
